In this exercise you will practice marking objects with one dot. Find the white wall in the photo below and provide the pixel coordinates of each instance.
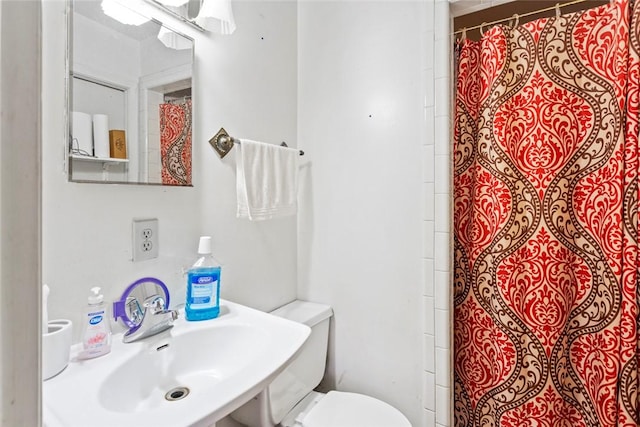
(245, 83)
(248, 86)
(362, 124)
(19, 213)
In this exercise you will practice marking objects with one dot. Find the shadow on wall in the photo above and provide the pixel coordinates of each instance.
(329, 381)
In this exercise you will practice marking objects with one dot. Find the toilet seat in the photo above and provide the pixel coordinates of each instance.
(343, 409)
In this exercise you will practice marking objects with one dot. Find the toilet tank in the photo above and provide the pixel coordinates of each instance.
(305, 371)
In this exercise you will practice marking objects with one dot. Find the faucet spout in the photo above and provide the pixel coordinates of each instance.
(155, 319)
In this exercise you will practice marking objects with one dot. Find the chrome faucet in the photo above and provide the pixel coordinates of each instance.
(155, 318)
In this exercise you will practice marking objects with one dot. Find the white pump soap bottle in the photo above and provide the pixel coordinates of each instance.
(96, 334)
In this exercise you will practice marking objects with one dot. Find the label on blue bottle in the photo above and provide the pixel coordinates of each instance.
(204, 290)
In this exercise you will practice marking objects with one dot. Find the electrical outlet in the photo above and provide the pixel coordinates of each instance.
(145, 239)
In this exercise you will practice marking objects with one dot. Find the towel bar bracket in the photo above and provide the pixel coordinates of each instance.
(284, 144)
(222, 142)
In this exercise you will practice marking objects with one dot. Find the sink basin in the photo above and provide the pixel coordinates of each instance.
(190, 375)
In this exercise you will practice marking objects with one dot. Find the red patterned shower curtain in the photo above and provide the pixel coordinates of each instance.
(175, 143)
(546, 167)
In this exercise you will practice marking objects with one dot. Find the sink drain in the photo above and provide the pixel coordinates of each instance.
(177, 393)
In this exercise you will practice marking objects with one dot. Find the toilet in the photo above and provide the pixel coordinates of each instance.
(290, 401)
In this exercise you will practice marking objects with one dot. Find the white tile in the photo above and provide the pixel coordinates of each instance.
(429, 239)
(443, 370)
(441, 19)
(429, 201)
(429, 47)
(429, 353)
(443, 405)
(439, 141)
(430, 21)
(442, 328)
(429, 89)
(429, 391)
(429, 316)
(441, 59)
(442, 291)
(430, 127)
(441, 136)
(442, 93)
(442, 212)
(428, 166)
(441, 174)
(442, 251)
(423, 40)
(429, 418)
(423, 130)
(429, 277)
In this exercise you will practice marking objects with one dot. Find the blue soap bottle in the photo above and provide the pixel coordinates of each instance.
(203, 285)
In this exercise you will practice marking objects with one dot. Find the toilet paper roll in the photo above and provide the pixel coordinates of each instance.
(81, 137)
(101, 135)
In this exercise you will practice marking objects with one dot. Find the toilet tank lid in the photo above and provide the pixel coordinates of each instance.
(309, 313)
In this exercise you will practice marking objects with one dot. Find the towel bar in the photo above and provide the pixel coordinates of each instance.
(222, 142)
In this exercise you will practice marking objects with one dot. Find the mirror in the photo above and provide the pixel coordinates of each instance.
(130, 111)
(129, 308)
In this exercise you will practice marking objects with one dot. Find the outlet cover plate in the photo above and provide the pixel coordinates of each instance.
(145, 239)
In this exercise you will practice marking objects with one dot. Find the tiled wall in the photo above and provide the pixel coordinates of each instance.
(437, 395)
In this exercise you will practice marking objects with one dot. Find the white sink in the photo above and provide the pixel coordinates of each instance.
(223, 362)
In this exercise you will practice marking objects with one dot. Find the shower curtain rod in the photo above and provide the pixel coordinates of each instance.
(517, 16)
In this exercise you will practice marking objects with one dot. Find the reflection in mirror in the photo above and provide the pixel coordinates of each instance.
(185, 10)
(130, 107)
(205, 15)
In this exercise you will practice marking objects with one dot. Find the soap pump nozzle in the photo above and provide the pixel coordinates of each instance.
(96, 297)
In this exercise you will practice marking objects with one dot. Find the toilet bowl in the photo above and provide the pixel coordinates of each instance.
(343, 409)
(290, 401)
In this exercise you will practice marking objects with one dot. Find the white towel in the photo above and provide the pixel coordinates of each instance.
(266, 180)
